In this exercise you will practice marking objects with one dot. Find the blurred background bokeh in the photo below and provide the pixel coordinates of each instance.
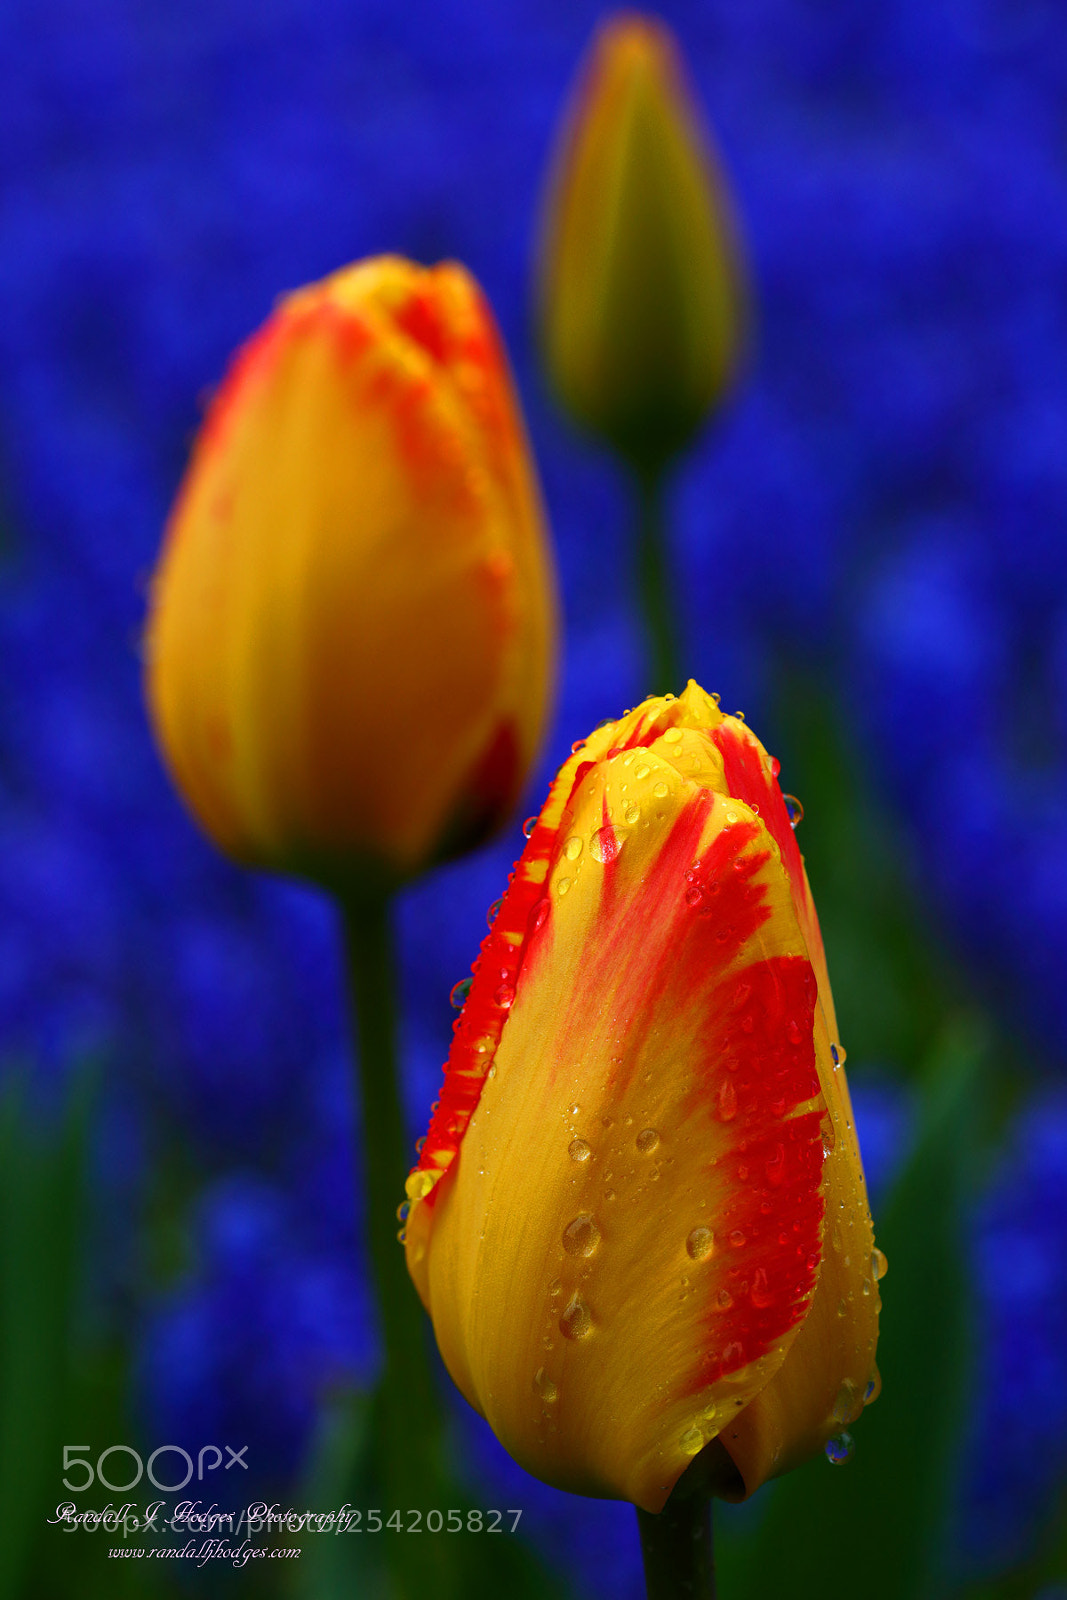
(871, 545)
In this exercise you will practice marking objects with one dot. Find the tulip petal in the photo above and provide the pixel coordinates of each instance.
(657, 1063)
(301, 602)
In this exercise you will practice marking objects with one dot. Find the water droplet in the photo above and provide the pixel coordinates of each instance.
(419, 1143)
(727, 1101)
(555, 1286)
(694, 895)
(873, 1389)
(605, 845)
(642, 771)
(774, 1169)
(661, 791)
(672, 736)
(579, 744)
(631, 813)
(581, 1237)
(528, 826)
(545, 1387)
(846, 1406)
(793, 809)
(576, 1321)
(573, 848)
(494, 909)
(700, 1244)
(737, 1238)
(760, 1294)
(578, 1150)
(692, 1441)
(459, 993)
(840, 1449)
(792, 1031)
(731, 817)
(879, 1264)
(402, 1210)
(419, 1184)
(724, 1299)
(505, 996)
(402, 1235)
(647, 1140)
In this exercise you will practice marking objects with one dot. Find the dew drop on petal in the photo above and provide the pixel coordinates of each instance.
(700, 1244)
(419, 1184)
(692, 1441)
(605, 845)
(578, 1150)
(528, 826)
(840, 1449)
(793, 809)
(761, 1294)
(460, 991)
(879, 1264)
(402, 1210)
(573, 848)
(647, 1140)
(847, 1404)
(492, 913)
(576, 1321)
(581, 1237)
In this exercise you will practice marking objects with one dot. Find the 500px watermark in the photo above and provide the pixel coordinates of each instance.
(208, 1459)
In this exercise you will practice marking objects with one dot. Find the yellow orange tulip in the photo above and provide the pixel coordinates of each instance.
(639, 1220)
(641, 298)
(351, 638)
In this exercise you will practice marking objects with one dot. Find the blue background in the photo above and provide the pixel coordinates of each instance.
(883, 501)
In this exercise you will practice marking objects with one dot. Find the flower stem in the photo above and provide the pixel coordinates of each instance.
(677, 1550)
(654, 584)
(411, 1422)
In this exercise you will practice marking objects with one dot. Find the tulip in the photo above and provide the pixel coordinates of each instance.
(641, 299)
(639, 1220)
(350, 645)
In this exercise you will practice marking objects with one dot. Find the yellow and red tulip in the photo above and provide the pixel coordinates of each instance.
(639, 1220)
(351, 639)
(642, 303)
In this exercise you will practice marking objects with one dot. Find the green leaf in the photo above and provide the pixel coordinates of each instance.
(876, 1522)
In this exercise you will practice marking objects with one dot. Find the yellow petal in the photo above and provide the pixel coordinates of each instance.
(351, 640)
(618, 1214)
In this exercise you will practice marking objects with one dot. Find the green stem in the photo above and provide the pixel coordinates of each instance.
(656, 592)
(677, 1550)
(411, 1422)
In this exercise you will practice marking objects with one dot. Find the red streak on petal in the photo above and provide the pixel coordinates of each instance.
(747, 778)
(505, 950)
(756, 1072)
